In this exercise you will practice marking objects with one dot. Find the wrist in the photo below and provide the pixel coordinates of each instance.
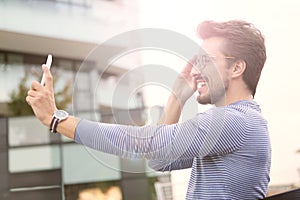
(176, 101)
(48, 118)
(172, 111)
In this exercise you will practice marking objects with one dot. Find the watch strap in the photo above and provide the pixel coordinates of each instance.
(53, 124)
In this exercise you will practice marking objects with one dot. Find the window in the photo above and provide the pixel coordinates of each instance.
(82, 3)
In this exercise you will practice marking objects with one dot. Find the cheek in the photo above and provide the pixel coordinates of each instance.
(225, 78)
(218, 79)
(214, 75)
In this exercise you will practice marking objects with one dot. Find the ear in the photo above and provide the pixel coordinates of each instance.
(238, 68)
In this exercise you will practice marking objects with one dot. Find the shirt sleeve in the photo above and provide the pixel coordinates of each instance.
(160, 142)
(211, 133)
(165, 165)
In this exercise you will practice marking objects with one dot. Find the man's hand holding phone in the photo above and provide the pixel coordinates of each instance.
(41, 95)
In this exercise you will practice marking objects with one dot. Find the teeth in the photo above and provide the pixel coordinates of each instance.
(201, 84)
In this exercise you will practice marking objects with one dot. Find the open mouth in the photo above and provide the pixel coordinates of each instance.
(201, 83)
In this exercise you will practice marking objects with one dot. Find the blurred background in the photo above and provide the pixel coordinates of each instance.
(37, 165)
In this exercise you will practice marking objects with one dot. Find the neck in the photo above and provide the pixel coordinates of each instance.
(230, 98)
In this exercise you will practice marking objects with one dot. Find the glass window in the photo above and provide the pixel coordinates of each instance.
(83, 81)
(63, 84)
(10, 76)
(34, 158)
(82, 165)
(2, 60)
(84, 3)
(27, 130)
(14, 59)
(3, 69)
(82, 93)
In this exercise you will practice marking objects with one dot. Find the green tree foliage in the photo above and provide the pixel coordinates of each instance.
(19, 107)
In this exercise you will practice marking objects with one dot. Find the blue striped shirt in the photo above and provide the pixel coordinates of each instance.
(227, 147)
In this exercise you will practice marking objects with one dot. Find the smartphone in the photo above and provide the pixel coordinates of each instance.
(48, 64)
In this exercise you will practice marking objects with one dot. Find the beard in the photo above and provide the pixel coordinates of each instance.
(215, 94)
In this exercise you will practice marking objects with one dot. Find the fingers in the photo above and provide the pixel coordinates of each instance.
(37, 90)
(49, 78)
(34, 92)
(35, 86)
(189, 66)
(28, 100)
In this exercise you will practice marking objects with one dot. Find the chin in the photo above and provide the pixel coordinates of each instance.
(203, 99)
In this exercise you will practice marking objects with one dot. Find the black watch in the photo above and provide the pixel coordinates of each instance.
(57, 117)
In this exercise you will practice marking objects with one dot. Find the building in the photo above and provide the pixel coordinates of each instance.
(39, 165)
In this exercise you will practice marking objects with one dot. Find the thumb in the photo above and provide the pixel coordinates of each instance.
(49, 78)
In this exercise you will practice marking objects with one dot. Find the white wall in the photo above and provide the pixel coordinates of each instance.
(45, 18)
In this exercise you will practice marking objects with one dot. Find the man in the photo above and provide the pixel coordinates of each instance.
(227, 146)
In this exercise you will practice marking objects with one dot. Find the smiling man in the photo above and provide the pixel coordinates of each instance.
(234, 152)
(227, 146)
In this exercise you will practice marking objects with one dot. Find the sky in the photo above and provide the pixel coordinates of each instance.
(278, 89)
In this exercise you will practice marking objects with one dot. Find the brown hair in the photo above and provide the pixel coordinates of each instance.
(243, 41)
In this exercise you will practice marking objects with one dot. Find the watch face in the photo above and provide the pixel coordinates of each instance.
(61, 114)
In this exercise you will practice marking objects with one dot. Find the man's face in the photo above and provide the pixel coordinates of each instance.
(214, 77)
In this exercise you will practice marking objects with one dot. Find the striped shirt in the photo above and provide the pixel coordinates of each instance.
(227, 147)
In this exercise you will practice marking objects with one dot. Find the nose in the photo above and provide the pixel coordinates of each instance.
(196, 72)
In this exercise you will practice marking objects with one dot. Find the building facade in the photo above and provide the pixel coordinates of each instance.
(36, 164)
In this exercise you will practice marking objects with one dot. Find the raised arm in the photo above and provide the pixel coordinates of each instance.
(183, 88)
